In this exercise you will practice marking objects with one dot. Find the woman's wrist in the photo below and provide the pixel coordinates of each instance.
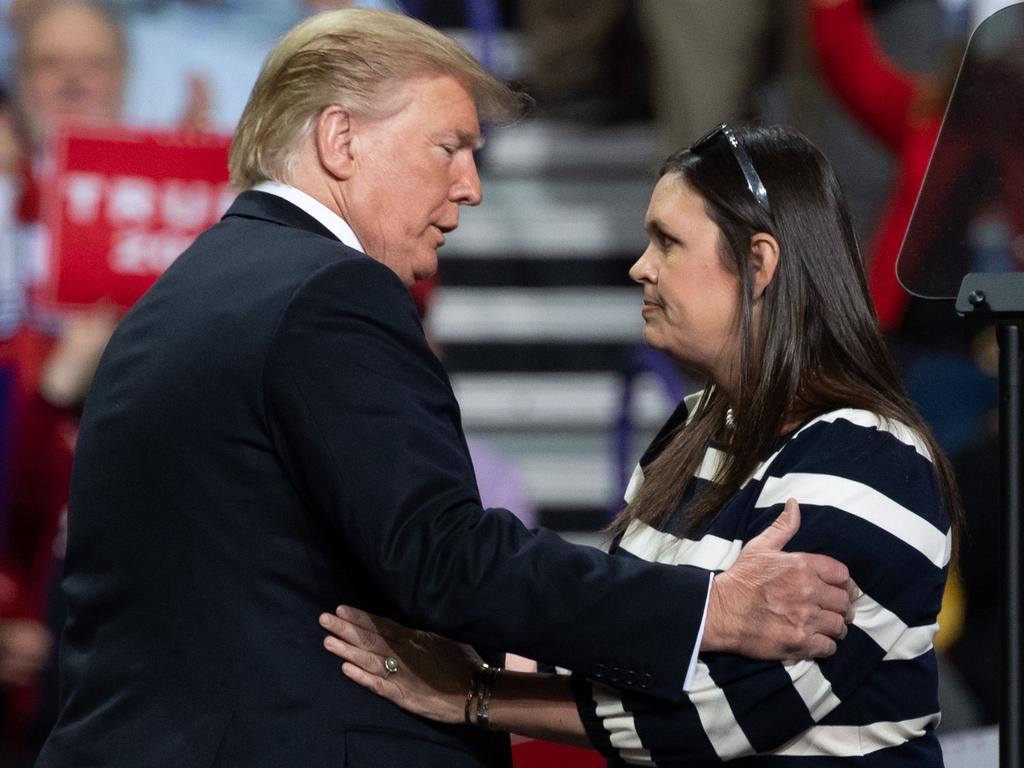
(478, 696)
(537, 705)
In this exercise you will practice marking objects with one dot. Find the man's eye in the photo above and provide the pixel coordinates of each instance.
(449, 149)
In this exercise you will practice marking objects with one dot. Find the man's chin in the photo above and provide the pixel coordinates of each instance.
(426, 268)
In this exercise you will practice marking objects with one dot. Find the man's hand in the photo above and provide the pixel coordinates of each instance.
(779, 605)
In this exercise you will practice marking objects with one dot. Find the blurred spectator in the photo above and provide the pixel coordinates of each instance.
(71, 66)
(708, 58)
(902, 110)
(588, 60)
(914, 36)
(71, 62)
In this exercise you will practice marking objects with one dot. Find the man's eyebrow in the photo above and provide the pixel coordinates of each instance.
(467, 139)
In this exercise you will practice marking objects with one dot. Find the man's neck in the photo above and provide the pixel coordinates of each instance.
(315, 208)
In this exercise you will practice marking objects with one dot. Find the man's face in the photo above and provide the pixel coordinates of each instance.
(413, 169)
(71, 69)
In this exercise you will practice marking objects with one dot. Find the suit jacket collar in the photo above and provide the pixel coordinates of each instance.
(262, 205)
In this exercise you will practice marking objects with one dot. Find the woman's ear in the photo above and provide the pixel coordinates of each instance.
(764, 259)
(334, 133)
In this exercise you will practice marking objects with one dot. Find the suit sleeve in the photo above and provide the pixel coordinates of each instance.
(369, 432)
(866, 499)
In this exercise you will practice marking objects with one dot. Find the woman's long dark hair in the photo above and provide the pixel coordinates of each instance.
(818, 347)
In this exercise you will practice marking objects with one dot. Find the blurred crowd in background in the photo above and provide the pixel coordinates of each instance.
(868, 80)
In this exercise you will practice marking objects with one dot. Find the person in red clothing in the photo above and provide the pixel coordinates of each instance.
(70, 66)
(905, 111)
(25, 643)
(39, 450)
(900, 109)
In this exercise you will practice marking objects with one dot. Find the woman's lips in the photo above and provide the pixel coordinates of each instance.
(649, 307)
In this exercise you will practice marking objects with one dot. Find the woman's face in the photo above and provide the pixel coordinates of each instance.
(690, 301)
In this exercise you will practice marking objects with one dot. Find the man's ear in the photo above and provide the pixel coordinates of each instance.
(764, 259)
(333, 135)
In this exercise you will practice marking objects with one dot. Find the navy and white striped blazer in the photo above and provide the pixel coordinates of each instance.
(868, 497)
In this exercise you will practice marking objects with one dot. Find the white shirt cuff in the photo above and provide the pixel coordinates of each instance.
(692, 668)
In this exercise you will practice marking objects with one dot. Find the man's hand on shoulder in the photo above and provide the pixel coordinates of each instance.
(779, 605)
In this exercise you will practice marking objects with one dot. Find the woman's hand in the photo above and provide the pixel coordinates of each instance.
(433, 673)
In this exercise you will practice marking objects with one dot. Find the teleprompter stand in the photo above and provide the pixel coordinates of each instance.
(998, 299)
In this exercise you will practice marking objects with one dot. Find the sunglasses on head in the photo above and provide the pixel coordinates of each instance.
(723, 133)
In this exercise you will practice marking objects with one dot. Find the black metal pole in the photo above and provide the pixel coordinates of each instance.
(1011, 710)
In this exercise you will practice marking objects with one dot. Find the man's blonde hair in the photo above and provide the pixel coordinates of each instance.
(349, 58)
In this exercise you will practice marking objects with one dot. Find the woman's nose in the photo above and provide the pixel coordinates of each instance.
(642, 269)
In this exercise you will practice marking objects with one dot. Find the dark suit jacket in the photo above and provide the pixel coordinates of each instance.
(269, 435)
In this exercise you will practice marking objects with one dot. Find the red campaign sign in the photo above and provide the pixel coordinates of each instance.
(528, 753)
(122, 204)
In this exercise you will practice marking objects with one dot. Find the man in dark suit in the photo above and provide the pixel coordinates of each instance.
(269, 435)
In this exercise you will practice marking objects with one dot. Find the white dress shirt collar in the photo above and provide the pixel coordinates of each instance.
(337, 225)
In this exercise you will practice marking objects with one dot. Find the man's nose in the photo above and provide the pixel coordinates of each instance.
(466, 189)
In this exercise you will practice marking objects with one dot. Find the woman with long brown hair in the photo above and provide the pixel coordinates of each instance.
(752, 279)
